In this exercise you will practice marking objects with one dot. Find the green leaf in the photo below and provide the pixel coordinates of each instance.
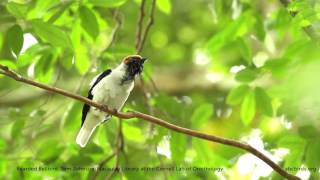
(89, 22)
(245, 50)
(3, 145)
(15, 39)
(49, 152)
(236, 95)
(248, 108)
(246, 75)
(79, 160)
(296, 146)
(1, 40)
(164, 6)
(18, 10)
(291, 142)
(32, 54)
(201, 115)
(81, 59)
(259, 28)
(91, 148)
(107, 3)
(233, 30)
(52, 34)
(132, 133)
(17, 128)
(44, 67)
(278, 67)
(263, 101)
(308, 131)
(9, 63)
(71, 115)
(178, 147)
(41, 8)
(312, 153)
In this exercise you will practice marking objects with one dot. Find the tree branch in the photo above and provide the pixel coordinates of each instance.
(140, 24)
(135, 114)
(143, 37)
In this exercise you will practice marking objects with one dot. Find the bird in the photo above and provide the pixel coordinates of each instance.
(111, 88)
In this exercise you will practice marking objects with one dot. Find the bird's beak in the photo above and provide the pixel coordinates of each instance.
(143, 59)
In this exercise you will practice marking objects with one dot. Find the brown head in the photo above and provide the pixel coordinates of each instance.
(134, 64)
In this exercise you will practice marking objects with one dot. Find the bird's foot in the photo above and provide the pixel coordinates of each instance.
(114, 111)
(105, 107)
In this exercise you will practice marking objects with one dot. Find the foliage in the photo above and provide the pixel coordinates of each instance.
(227, 68)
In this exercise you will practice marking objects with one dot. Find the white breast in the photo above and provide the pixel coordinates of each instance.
(109, 91)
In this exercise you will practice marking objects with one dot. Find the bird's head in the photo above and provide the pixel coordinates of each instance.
(134, 64)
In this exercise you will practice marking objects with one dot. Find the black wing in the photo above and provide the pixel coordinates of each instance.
(86, 107)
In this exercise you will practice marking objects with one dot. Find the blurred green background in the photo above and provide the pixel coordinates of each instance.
(241, 69)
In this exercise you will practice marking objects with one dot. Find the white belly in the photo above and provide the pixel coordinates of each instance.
(111, 93)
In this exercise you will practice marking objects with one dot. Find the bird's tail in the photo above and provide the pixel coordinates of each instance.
(84, 135)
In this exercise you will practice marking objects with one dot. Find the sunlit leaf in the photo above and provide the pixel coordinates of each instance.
(201, 114)
(9, 63)
(89, 21)
(15, 39)
(44, 67)
(52, 34)
(82, 60)
(248, 108)
(18, 10)
(296, 146)
(246, 75)
(132, 133)
(41, 8)
(278, 67)
(164, 6)
(245, 50)
(259, 28)
(107, 3)
(263, 101)
(236, 29)
(237, 94)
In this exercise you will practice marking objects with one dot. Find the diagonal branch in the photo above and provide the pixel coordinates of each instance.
(154, 120)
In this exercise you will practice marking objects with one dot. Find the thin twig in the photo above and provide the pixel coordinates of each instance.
(140, 24)
(155, 120)
(100, 166)
(150, 23)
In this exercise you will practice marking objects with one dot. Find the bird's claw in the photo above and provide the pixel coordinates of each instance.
(114, 111)
(105, 107)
